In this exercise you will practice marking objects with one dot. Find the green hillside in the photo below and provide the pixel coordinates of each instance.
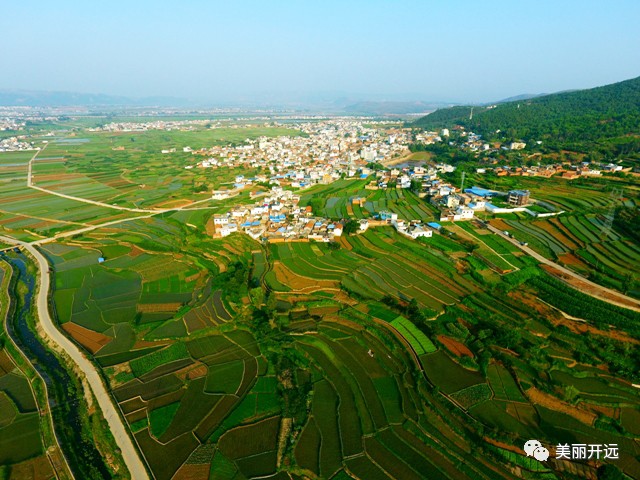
(605, 118)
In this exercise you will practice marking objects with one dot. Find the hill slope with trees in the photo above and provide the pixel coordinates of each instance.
(606, 119)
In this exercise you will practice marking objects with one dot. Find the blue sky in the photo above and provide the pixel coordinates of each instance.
(467, 50)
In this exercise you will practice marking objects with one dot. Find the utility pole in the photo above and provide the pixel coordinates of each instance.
(614, 198)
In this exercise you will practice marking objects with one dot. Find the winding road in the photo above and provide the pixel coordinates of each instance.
(129, 451)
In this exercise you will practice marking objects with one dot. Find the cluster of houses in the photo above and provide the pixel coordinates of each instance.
(278, 217)
(325, 152)
(473, 142)
(469, 140)
(563, 170)
(16, 144)
(8, 123)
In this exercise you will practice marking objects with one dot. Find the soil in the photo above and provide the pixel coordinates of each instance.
(551, 230)
(553, 403)
(158, 307)
(590, 289)
(92, 341)
(190, 471)
(459, 349)
(570, 259)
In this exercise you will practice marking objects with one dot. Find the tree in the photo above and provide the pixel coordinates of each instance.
(351, 226)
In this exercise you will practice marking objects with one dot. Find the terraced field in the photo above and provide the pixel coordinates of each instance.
(20, 436)
(583, 243)
(336, 201)
(373, 268)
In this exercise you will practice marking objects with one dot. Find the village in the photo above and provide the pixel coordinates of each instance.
(331, 151)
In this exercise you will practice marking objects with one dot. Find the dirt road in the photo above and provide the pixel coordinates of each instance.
(573, 279)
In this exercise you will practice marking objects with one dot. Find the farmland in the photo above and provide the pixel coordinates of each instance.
(129, 170)
(21, 447)
(335, 201)
(579, 237)
(582, 242)
(371, 356)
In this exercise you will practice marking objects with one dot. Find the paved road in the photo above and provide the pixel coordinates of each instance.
(117, 427)
(602, 293)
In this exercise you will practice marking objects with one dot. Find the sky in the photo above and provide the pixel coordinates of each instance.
(213, 51)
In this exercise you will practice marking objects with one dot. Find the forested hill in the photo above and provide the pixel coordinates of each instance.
(582, 117)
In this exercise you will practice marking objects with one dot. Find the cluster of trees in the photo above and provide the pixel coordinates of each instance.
(412, 309)
(234, 281)
(627, 220)
(584, 306)
(295, 383)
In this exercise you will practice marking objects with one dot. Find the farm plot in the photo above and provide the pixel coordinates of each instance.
(129, 170)
(20, 434)
(184, 393)
(503, 384)
(447, 374)
(579, 242)
(405, 275)
(418, 340)
(369, 396)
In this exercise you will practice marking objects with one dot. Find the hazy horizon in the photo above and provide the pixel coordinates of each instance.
(283, 52)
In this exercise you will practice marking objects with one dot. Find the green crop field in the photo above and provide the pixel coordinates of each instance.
(418, 340)
(21, 441)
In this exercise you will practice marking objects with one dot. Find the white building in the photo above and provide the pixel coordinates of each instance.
(220, 194)
(220, 220)
(228, 229)
(417, 231)
(465, 213)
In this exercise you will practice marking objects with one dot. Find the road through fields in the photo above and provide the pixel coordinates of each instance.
(130, 455)
(575, 280)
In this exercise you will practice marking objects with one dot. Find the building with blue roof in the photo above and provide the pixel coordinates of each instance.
(434, 225)
(480, 192)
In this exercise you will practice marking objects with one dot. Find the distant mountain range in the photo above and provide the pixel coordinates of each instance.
(585, 117)
(13, 98)
(341, 105)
